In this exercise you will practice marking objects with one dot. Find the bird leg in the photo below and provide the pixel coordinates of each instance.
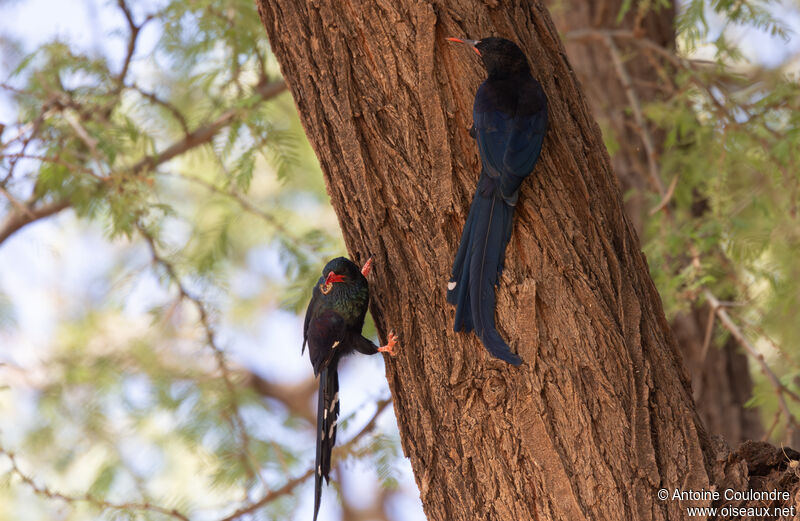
(367, 267)
(389, 347)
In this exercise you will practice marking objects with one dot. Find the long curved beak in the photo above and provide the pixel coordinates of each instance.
(334, 277)
(471, 43)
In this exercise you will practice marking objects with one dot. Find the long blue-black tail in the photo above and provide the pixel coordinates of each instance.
(327, 413)
(477, 268)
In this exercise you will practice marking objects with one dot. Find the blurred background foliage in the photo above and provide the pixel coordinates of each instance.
(162, 218)
(730, 233)
(198, 210)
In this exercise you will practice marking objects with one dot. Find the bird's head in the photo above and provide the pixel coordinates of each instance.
(339, 270)
(501, 57)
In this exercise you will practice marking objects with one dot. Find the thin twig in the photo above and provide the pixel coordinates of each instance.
(15, 220)
(772, 426)
(35, 126)
(712, 314)
(734, 330)
(245, 204)
(293, 483)
(272, 496)
(56, 160)
(44, 491)
(132, 37)
(667, 197)
(235, 420)
(169, 106)
(638, 116)
(89, 141)
(16, 203)
(582, 34)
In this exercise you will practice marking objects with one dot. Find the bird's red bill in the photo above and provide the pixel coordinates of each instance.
(462, 41)
(333, 277)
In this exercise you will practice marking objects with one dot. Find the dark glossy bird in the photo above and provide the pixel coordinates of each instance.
(509, 122)
(332, 329)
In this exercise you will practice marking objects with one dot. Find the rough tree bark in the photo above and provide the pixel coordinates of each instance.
(601, 415)
(720, 375)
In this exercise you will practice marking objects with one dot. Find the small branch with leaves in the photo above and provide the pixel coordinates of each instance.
(46, 492)
(717, 307)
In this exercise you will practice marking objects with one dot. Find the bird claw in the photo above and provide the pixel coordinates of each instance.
(367, 267)
(389, 347)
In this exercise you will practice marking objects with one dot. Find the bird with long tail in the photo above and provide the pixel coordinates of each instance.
(332, 329)
(509, 123)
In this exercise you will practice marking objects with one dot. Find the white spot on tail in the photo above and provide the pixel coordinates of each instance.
(324, 414)
(451, 285)
(335, 344)
(335, 401)
(319, 470)
(330, 431)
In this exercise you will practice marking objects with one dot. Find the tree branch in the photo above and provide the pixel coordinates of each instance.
(266, 90)
(734, 330)
(296, 397)
(17, 220)
(293, 483)
(134, 35)
(169, 106)
(203, 135)
(43, 490)
(717, 307)
(638, 117)
(235, 419)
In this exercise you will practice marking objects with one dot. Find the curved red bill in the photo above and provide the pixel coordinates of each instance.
(333, 277)
(471, 43)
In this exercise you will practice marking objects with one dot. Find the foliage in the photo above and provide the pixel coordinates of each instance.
(182, 153)
(731, 226)
(185, 153)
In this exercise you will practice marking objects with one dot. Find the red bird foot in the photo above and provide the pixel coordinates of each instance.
(389, 347)
(367, 267)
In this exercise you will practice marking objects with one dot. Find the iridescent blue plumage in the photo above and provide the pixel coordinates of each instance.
(509, 123)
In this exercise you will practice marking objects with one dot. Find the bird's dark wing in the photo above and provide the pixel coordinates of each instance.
(362, 345)
(312, 305)
(492, 129)
(509, 133)
(524, 143)
(326, 330)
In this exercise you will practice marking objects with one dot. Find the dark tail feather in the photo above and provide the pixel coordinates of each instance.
(477, 269)
(454, 293)
(327, 414)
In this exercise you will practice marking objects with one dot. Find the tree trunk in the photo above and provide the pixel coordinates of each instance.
(720, 375)
(601, 415)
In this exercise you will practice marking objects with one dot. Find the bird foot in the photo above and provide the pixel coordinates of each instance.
(367, 267)
(389, 347)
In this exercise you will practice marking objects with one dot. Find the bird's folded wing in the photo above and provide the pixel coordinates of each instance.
(325, 332)
(524, 144)
(492, 129)
(310, 312)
